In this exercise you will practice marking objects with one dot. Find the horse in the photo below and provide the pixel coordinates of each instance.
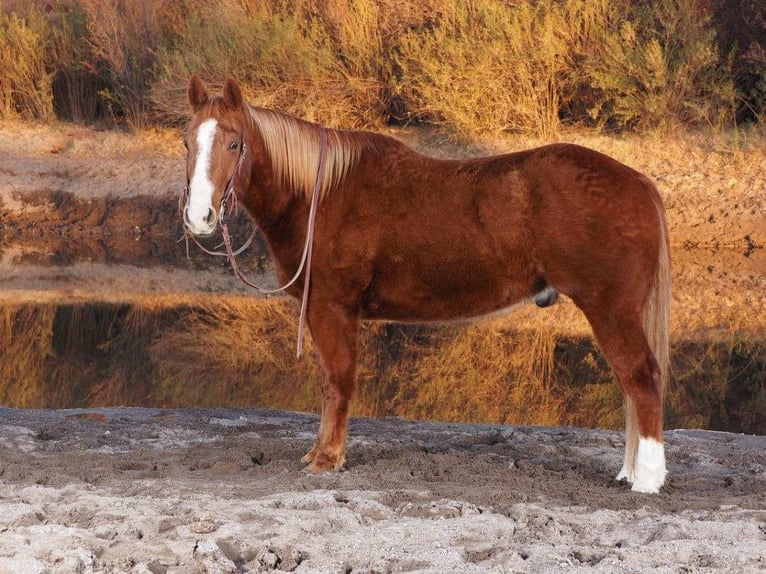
(394, 235)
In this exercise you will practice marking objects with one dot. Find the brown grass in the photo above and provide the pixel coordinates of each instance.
(470, 67)
(234, 351)
(25, 86)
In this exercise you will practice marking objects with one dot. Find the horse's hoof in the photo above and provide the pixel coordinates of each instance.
(308, 458)
(323, 462)
(650, 471)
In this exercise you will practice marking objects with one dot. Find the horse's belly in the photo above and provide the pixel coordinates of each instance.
(445, 293)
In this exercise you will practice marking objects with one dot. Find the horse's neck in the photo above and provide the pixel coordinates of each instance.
(266, 200)
(281, 215)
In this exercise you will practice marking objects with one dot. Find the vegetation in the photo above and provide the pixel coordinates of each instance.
(239, 351)
(469, 67)
(478, 67)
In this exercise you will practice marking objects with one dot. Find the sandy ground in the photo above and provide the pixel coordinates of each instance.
(187, 491)
(150, 491)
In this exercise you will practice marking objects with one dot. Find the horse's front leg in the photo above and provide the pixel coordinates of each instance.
(334, 331)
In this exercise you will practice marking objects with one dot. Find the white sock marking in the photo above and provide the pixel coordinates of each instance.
(649, 473)
(201, 189)
(625, 473)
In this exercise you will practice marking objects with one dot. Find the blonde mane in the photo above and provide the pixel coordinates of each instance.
(293, 146)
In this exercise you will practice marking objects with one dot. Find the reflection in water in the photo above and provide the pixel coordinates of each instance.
(239, 351)
(108, 250)
(113, 313)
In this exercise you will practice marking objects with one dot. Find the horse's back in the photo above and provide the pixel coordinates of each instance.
(447, 238)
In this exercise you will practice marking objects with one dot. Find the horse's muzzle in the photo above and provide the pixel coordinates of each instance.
(201, 226)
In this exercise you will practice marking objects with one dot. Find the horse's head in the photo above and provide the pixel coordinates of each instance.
(215, 143)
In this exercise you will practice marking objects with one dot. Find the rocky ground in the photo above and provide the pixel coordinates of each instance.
(188, 491)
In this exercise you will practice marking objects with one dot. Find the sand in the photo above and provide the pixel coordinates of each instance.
(188, 491)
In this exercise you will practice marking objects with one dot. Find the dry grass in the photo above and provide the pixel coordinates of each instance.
(234, 351)
(485, 67)
(471, 67)
(25, 86)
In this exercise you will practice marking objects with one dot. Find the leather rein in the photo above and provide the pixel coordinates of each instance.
(229, 205)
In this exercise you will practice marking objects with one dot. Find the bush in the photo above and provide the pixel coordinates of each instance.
(79, 81)
(125, 36)
(741, 33)
(488, 67)
(660, 66)
(321, 69)
(470, 67)
(25, 84)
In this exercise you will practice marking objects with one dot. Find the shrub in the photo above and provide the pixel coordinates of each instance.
(78, 82)
(659, 66)
(470, 67)
(125, 36)
(286, 59)
(25, 84)
(486, 67)
(741, 32)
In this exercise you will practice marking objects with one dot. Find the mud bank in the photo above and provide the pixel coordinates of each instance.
(187, 491)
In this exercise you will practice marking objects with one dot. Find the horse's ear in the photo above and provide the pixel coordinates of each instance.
(232, 95)
(197, 93)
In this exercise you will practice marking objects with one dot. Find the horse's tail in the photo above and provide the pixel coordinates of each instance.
(656, 323)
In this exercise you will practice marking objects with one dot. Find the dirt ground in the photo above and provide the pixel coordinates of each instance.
(153, 491)
(187, 491)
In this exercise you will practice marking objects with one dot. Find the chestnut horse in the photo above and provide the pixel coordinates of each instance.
(400, 236)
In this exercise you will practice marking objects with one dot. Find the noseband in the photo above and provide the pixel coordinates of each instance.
(229, 205)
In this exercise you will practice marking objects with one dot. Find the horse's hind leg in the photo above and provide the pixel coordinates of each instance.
(334, 332)
(621, 337)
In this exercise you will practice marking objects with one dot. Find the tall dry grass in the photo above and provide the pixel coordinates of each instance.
(491, 67)
(236, 351)
(79, 82)
(25, 81)
(125, 36)
(327, 68)
(471, 67)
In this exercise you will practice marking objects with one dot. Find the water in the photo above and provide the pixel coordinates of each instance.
(102, 305)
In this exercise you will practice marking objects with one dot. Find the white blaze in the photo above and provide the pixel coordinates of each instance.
(201, 187)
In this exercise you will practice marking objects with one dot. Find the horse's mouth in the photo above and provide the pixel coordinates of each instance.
(199, 233)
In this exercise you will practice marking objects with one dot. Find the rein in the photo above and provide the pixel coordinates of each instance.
(305, 263)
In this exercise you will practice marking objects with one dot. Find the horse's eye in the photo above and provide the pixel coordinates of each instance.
(186, 144)
(233, 145)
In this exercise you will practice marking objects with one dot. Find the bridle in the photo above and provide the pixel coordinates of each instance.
(229, 205)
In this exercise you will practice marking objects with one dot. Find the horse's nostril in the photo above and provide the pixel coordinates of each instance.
(210, 218)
